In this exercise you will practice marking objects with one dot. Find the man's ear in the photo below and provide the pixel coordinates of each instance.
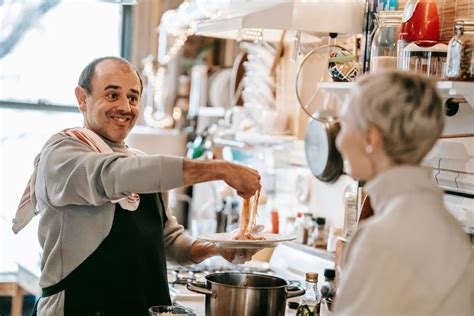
(81, 97)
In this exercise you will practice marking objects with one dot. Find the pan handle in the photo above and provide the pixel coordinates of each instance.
(198, 288)
(294, 291)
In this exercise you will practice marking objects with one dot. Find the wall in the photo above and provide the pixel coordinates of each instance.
(326, 199)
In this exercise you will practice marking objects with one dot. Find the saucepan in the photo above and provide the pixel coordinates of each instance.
(245, 294)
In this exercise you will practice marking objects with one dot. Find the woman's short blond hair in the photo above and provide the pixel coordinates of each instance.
(405, 107)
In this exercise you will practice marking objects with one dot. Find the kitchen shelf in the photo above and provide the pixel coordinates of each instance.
(339, 89)
(324, 254)
(457, 89)
(274, 16)
(250, 140)
(446, 89)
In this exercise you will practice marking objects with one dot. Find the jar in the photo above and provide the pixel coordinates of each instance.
(383, 52)
(460, 61)
(426, 60)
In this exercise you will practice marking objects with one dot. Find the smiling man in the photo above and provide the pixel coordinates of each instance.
(105, 227)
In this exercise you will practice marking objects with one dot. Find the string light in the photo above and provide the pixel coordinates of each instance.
(178, 35)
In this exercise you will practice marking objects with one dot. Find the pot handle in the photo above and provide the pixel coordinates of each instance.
(294, 291)
(198, 288)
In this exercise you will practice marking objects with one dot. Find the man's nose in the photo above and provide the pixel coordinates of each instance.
(124, 105)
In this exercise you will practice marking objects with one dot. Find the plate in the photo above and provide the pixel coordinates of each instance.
(226, 240)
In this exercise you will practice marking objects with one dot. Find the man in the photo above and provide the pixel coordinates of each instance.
(104, 225)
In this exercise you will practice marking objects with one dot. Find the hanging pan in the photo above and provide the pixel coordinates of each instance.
(324, 160)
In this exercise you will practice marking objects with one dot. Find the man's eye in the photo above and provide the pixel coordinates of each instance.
(133, 99)
(112, 95)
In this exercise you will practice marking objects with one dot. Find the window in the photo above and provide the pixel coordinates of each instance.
(44, 45)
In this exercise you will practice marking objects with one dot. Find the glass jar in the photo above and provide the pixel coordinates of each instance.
(426, 60)
(319, 236)
(383, 52)
(460, 61)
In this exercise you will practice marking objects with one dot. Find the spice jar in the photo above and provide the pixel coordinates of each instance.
(460, 61)
(383, 52)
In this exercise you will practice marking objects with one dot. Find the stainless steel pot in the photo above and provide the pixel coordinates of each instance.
(245, 294)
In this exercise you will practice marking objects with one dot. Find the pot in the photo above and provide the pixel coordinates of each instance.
(245, 294)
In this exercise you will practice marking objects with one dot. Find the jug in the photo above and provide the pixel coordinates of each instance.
(420, 21)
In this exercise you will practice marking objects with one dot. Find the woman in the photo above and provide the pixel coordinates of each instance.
(411, 257)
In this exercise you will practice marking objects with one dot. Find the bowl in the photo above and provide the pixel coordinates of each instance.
(166, 310)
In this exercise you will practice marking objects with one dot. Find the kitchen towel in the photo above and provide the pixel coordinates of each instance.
(27, 209)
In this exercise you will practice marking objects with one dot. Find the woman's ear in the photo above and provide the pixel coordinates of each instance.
(374, 139)
(81, 97)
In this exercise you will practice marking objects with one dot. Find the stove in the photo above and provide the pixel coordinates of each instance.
(287, 262)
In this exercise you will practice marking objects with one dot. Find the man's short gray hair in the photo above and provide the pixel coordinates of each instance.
(405, 107)
(87, 74)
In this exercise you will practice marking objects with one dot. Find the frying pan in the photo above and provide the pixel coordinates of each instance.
(324, 160)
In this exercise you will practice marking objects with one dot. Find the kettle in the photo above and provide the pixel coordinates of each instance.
(420, 21)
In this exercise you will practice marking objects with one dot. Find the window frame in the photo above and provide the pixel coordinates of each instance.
(125, 52)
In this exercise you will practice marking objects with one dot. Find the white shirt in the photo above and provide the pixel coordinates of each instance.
(412, 257)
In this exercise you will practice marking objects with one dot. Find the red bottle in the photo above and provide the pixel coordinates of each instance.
(420, 22)
(275, 222)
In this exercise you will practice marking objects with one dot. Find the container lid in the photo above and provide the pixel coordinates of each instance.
(464, 23)
(311, 276)
(390, 16)
(320, 220)
(330, 273)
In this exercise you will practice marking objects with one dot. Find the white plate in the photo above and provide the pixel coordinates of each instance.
(227, 240)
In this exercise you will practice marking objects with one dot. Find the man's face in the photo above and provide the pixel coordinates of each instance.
(111, 110)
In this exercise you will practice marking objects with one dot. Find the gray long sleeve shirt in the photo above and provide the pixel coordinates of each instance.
(74, 190)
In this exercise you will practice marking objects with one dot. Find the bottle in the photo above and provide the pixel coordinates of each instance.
(305, 228)
(460, 59)
(350, 211)
(299, 227)
(308, 225)
(334, 232)
(290, 226)
(383, 52)
(328, 288)
(275, 221)
(310, 302)
(403, 59)
(319, 238)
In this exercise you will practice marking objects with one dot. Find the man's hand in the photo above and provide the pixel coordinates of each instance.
(202, 250)
(237, 256)
(246, 181)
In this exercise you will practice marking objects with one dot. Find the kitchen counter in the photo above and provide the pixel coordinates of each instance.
(199, 306)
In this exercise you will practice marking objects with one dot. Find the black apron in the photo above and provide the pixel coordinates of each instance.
(127, 273)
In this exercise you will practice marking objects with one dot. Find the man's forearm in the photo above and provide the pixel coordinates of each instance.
(197, 171)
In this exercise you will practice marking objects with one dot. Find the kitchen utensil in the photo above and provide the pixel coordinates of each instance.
(219, 88)
(383, 53)
(227, 240)
(324, 160)
(245, 294)
(420, 21)
(163, 310)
